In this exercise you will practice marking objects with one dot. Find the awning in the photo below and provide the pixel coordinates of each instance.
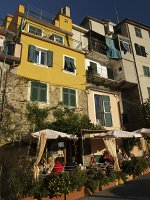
(143, 131)
(123, 134)
(51, 134)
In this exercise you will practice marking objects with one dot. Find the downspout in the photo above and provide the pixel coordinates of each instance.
(138, 80)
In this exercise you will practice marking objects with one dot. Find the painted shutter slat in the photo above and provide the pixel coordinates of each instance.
(34, 94)
(49, 58)
(108, 119)
(72, 100)
(43, 95)
(31, 53)
(108, 116)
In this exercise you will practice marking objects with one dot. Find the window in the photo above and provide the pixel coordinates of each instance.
(40, 56)
(69, 97)
(125, 46)
(93, 67)
(34, 30)
(56, 38)
(138, 32)
(69, 64)
(38, 91)
(140, 50)
(148, 89)
(146, 71)
(102, 109)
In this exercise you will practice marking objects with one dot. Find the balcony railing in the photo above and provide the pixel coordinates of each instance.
(37, 13)
(101, 72)
(95, 45)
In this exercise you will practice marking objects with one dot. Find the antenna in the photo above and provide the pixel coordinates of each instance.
(116, 12)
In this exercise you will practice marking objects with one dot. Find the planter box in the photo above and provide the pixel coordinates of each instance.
(110, 185)
(146, 171)
(54, 198)
(75, 194)
(27, 198)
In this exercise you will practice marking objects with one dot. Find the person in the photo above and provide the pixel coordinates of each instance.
(93, 163)
(49, 164)
(106, 157)
(58, 167)
(120, 156)
(71, 164)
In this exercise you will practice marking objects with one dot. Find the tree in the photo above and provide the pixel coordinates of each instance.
(146, 109)
(37, 117)
(70, 121)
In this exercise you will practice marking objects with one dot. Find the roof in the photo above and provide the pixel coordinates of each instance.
(87, 18)
(135, 23)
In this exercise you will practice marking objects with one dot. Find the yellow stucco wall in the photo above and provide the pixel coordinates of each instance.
(56, 74)
(114, 99)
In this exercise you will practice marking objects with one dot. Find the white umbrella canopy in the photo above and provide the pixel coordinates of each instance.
(123, 134)
(143, 131)
(51, 134)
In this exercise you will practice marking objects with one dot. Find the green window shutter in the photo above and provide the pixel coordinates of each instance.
(108, 116)
(148, 89)
(146, 71)
(69, 97)
(49, 58)
(31, 53)
(65, 97)
(43, 95)
(72, 98)
(34, 91)
(108, 119)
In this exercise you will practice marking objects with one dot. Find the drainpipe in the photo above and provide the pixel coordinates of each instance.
(138, 80)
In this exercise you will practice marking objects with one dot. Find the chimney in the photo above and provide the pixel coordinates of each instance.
(65, 11)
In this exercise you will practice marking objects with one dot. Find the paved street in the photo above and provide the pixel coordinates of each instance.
(138, 189)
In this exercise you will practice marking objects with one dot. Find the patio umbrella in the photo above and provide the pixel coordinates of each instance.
(123, 134)
(143, 131)
(51, 134)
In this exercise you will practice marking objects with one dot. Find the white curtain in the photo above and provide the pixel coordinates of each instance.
(110, 144)
(144, 144)
(40, 150)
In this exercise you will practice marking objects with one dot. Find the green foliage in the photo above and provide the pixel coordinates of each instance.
(69, 120)
(20, 180)
(146, 110)
(135, 166)
(129, 144)
(63, 183)
(37, 117)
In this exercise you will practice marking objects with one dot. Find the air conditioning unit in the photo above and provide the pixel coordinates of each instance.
(109, 29)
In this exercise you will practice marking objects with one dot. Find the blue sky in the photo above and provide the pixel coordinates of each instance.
(138, 10)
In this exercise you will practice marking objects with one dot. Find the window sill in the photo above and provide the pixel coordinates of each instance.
(67, 72)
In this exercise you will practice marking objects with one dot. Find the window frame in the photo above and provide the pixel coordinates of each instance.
(62, 97)
(139, 51)
(66, 71)
(146, 68)
(138, 32)
(30, 89)
(36, 28)
(104, 113)
(39, 59)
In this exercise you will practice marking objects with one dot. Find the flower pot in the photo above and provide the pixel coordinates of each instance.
(120, 181)
(130, 177)
(146, 171)
(110, 185)
(75, 194)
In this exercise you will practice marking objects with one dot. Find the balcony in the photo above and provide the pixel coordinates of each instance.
(10, 53)
(100, 75)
